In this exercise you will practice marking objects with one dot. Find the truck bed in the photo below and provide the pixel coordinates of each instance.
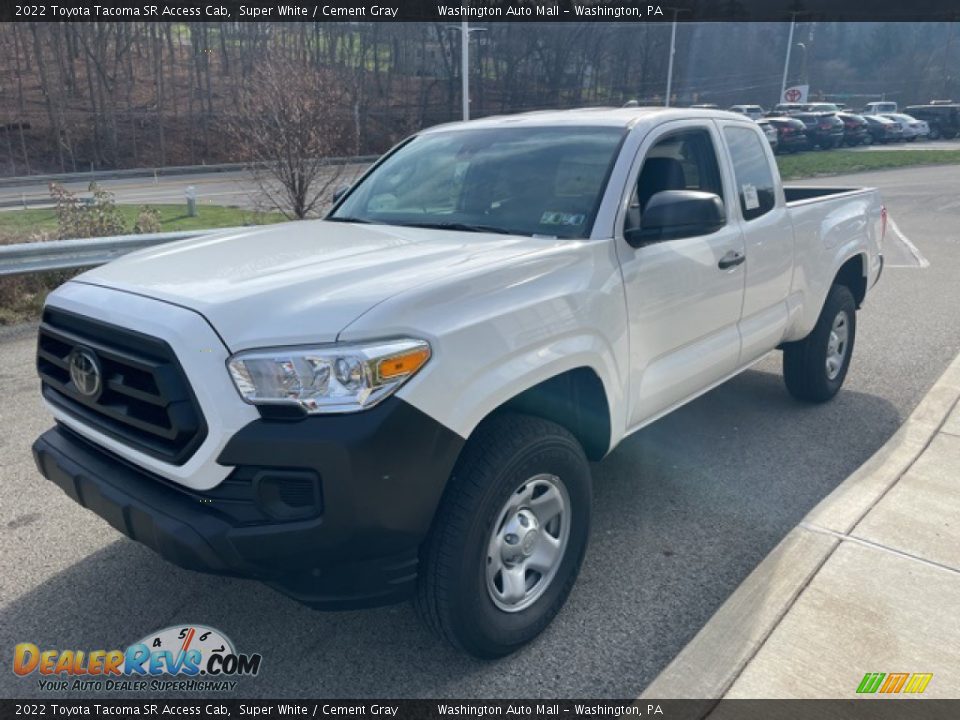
(800, 193)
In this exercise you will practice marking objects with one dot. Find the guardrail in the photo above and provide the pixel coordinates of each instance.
(26, 258)
(170, 170)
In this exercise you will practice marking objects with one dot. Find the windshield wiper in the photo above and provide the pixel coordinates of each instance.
(350, 220)
(465, 227)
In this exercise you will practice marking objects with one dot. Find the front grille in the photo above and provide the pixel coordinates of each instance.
(145, 399)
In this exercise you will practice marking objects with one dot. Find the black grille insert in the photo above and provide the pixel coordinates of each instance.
(145, 402)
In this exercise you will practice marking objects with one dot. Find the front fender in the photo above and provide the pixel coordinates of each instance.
(503, 330)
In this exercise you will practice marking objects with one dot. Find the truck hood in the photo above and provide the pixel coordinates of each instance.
(299, 282)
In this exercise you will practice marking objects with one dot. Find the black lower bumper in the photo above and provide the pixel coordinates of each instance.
(381, 474)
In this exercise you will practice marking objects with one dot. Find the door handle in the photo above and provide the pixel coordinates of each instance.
(731, 259)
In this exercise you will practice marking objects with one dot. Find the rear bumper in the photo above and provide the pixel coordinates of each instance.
(380, 475)
(793, 141)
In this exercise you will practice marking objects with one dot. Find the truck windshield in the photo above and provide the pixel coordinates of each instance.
(521, 181)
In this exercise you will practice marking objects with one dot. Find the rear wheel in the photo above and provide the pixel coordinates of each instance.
(814, 368)
(508, 538)
(934, 132)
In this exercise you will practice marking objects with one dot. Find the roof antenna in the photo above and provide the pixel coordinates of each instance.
(631, 103)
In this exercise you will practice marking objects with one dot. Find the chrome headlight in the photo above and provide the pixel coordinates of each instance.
(327, 378)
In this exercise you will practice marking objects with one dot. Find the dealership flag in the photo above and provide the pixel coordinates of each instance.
(795, 94)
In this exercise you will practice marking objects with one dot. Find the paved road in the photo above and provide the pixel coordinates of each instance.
(238, 188)
(221, 188)
(684, 510)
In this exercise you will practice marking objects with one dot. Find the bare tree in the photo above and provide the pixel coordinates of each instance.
(289, 122)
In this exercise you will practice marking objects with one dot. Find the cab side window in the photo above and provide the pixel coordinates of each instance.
(751, 169)
(684, 160)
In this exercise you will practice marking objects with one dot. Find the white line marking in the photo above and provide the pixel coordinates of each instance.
(949, 205)
(922, 262)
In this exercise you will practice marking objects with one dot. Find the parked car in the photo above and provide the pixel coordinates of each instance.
(791, 133)
(911, 127)
(402, 400)
(821, 107)
(882, 130)
(823, 130)
(854, 128)
(876, 108)
(786, 109)
(943, 119)
(754, 112)
(771, 132)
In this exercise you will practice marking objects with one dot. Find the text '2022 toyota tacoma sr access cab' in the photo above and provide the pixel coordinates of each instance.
(401, 400)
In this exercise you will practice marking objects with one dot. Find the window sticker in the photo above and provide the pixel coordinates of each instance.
(555, 217)
(750, 198)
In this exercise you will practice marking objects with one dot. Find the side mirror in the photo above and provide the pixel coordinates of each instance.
(673, 214)
(339, 193)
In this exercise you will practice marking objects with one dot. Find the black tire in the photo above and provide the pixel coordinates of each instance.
(934, 132)
(805, 361)
(503, 453)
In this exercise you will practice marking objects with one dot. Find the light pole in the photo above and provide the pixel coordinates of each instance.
(465, 31)
(673, 46)
(465, 67)
(803, 66)
(786, 64)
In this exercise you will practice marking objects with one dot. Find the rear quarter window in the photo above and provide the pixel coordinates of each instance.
(751, 169)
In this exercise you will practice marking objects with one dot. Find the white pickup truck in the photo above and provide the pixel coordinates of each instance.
(401, 400)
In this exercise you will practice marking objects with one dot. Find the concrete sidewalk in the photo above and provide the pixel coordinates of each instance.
(869, 582)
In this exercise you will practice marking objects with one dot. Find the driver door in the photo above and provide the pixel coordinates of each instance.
(684, 295)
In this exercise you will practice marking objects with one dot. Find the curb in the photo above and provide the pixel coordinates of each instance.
(710, 663)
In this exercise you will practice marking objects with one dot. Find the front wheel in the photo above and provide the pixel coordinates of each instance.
(814, 368)
(508, 538)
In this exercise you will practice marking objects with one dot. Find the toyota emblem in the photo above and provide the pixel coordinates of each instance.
(85, 372)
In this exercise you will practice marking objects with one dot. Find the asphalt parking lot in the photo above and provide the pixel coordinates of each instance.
(683, 512)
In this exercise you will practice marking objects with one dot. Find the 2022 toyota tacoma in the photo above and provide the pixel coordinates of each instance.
(401, 400)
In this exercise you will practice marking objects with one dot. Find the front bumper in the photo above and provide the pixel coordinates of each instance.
(380, 476)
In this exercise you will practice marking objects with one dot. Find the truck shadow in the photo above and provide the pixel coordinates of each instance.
(684, 510)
